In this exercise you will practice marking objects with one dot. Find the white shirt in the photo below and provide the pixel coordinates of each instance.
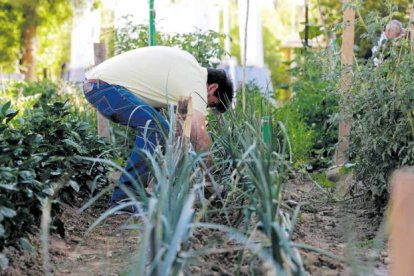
(158, 75)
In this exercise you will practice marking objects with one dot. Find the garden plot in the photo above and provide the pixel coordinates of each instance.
(342, 228)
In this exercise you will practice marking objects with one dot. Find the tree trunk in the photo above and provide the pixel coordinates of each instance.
(29, 52)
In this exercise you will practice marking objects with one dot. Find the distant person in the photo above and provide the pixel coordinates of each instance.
(393, 30)
(129, 88)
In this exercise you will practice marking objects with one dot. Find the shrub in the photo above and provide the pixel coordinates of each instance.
(44, 90)
(205, 46)
(315, 100)
(36, 153)
(382, 131)
(301, 136)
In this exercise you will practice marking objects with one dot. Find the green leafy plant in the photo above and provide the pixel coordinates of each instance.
(380, 106)
(31, 95)
(168, 223)
(205, 46)
(315, 101)
(168, 214)
(300, 135)
(35, 154)
(256, 175)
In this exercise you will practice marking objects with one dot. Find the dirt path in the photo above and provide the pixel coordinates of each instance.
(105, 250)
(348, 229)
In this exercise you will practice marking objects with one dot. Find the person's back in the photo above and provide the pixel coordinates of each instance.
(159, 75)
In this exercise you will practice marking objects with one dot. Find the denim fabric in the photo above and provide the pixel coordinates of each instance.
(119, 105)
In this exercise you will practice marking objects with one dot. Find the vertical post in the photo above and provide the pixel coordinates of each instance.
(266, 129)
(226, 26)
(346, 80)
(401, 223)
(306, 23)
(103, 123)
(183, 123)
(245, 57)
(151, 23)
(411, 28)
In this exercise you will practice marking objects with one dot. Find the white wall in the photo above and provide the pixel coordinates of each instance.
(85, 32)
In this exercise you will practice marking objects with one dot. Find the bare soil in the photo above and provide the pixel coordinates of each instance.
(349, 229)
(346, 229)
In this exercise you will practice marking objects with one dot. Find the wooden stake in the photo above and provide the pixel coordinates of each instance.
(184, 119)
(346, 81)
(401, 223)
(103, 123)
(411, 28)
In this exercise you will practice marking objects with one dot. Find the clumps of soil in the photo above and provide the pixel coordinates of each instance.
(81, 251)
(349, 229)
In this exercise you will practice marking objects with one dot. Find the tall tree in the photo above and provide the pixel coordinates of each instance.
(10, 21)
(35, 14)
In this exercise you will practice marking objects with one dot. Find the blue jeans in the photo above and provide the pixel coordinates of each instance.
(119, 105)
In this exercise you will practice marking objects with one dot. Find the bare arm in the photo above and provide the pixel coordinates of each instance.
(199, 135)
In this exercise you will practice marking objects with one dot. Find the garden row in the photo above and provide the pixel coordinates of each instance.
(50, 150)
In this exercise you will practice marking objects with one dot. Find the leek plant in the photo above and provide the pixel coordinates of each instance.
(168, 221)
(163, 220)
(254, 173)
(258, 171)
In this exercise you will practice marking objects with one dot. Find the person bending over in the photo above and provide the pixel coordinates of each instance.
(130, 88)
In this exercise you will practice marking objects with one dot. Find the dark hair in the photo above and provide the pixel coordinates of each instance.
(224, 91)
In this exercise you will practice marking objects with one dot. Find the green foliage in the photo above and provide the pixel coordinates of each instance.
(10, 21)
(312, 106)
(235, 44)
(366, 244)
(54, 50)
(257, 103)
(323, 180)
(170, 215)
(313, 32)
(45, 91)
(205, 46)
(382, 11)
(381, 106)
(36, 153)
(301, 136)
(25, 20)
(273, 59)
(132, 36)
(254, 172)
(333, 14)
(41, 12)
(28, 95)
